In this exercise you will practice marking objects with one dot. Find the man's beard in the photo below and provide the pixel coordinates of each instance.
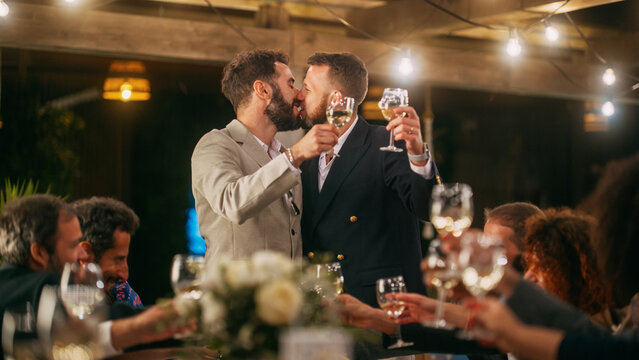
(318, 116)
(280, 112)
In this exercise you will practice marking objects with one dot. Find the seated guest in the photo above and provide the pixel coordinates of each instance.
(38, 235)
(107, 226)
(508, 221)
(535, 332)
(559, 257)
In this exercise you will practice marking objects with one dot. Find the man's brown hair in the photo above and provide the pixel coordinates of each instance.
(247, 67)
(347, 72)
(513, 215)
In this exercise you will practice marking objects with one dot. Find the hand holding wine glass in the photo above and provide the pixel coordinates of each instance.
(339, 111)
(392, 306)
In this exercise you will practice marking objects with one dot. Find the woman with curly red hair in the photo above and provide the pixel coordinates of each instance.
(559, 257)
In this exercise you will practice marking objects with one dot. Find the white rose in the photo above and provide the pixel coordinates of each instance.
(213, 313)
(271, 265)
(240, 274)
(278, 303)
(185, 306)
(212, 274)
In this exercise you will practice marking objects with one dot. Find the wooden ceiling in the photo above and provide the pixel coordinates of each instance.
(457, 43)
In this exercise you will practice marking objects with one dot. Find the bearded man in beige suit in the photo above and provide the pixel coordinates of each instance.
(245, 183)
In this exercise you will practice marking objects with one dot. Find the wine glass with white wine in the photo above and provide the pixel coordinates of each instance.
(186, 272)
(82, 289)
(339, 111)
(392, 98)
(442, 272)
(451, 210)
(482, 259)
(393, 307)
(328, 278)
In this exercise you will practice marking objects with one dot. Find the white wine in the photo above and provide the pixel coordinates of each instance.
(440, 277)
(389, 113)
(188, 289)
(394, 308)
(339, 285)
(81, 301)
(451, 224)
(338, 117)
(481, 279)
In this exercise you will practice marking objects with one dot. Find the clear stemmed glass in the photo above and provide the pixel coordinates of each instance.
(329, 281)
(82, 289)
(19, 336)
(339, 111)
(442, 272)
(186, 272)
(393, 307)
(451, 210)
(482, 259)
(392, 98)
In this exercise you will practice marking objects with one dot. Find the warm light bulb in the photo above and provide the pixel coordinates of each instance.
(608, 108)
(552, 34)
(4, 9)
(126, 91)
(405, 66)
(609, 77)
(513, 48)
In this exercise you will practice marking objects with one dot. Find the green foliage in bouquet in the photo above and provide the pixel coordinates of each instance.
(246, 304)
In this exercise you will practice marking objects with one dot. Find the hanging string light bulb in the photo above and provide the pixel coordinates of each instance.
(552, 34)
(609, 77)
(405, 67)
(608, 108)
(4, 9)
(513, 47)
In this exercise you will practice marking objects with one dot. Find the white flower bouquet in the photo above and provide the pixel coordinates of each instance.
(246, 303)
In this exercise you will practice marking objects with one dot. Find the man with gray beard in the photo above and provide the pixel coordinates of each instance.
(246, 185)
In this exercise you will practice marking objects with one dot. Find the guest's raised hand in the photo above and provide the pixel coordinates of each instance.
(320, 138)
(407, 126)
(419, 308)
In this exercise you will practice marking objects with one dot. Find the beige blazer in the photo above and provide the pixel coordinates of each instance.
(239, 196)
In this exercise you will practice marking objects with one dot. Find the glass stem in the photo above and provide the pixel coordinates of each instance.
(391, 141)
(439, 312)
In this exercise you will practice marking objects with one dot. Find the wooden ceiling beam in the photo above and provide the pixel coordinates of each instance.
(132, 36)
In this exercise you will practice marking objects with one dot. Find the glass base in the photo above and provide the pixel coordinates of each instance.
(474, 334)
(391, 149)
(400, 344)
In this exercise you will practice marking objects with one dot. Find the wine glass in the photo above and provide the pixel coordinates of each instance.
(451, 210)
(328, 279)
(82, 289)
(339, 111)
(186, 272)
(482, 259)
(392, 98)
(442, 272)
(393, 307)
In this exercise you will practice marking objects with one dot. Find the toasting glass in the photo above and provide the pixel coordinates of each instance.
(339, 111)
(82, 289)
(451, 210)
(392, 98)
(329, 281)
(392, 306)
(482, 259)
(186, 272)
(442, 272)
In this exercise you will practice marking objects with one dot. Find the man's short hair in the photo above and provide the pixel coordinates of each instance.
(247, 67)
(513, 215)
(30, 220)
(347, 71)
(100, 217)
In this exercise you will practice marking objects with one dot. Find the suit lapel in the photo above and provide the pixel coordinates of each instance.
(352, 151)
(247, 142)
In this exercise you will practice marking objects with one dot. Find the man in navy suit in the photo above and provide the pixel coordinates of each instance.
(364, 206)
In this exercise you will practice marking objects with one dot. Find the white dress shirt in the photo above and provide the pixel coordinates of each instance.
(426, 171)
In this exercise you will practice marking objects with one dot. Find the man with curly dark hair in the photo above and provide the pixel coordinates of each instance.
(107, 226)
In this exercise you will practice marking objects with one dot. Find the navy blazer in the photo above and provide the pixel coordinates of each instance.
(367, 212)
